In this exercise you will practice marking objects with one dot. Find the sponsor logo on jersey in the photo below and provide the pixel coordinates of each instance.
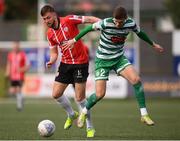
(118, 39)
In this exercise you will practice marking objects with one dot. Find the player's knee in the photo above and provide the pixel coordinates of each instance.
(56, 95)
(135, 80)
(12, 90)
(100, 95)
(79, 99)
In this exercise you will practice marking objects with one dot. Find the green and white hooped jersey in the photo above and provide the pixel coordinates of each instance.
(112, 39)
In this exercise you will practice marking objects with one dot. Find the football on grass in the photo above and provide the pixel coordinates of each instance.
(46, 128)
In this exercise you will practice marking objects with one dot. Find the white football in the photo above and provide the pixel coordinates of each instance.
(46, 128)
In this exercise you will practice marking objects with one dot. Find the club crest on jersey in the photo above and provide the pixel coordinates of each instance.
(66, 29)
(77, 17)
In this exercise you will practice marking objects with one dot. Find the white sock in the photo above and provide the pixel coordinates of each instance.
(143, 111)
(19, 98)
(84, 110)
(65, 103)
(81, 106)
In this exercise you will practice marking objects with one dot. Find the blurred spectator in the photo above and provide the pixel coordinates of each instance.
(17, 65)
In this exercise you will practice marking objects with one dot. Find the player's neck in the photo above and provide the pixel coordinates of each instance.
(56, 24)
(16, 51)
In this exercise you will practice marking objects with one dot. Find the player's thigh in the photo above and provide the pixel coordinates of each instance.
(121, 64)
(12, 90)
(19, 86)
(102, 69)
(130, 74)
(100, 88)
(80, 89)
(18, 89)
(102, 73)
(64, 74)
(80, 73)
(58, 89)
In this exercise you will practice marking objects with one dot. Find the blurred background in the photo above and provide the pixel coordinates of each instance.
(20, 20)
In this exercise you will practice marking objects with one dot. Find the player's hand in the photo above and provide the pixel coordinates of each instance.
(49, 64)
(6, 75)
(158, 48)
(21, 70)
(68, 44)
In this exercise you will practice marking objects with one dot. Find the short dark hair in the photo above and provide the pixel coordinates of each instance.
(47, 8)
(120, 13)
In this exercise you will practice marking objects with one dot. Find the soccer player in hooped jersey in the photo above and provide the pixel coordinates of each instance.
(17, 65)
(73, 68)
(110, 56)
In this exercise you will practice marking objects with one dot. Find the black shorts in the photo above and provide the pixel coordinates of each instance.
(15, 83)
(72, 73)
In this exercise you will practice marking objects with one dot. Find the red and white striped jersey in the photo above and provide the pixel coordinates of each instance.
(17, 61)
(68, 29)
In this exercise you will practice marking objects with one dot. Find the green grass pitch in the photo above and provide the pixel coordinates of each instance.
(113, 120)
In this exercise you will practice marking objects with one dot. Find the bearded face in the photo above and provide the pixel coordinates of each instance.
(50, 19)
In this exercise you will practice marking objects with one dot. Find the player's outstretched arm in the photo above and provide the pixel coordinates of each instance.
(7, 73)
(158, 48)
(91, 19)
(25, 68)
(83, 32)
(53, 57)
(69, 44)
(145, 37)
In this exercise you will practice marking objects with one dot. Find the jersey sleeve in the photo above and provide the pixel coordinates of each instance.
(98, 25)
(51, 43)
(9, 57)
(75, 19)
(135, 27)
(26, 60)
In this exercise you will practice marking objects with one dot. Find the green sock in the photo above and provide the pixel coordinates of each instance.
(139, 92)
(91, 101)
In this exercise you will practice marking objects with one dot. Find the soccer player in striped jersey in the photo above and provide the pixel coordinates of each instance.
(110, 56)
(17, 65)
(73, 68)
